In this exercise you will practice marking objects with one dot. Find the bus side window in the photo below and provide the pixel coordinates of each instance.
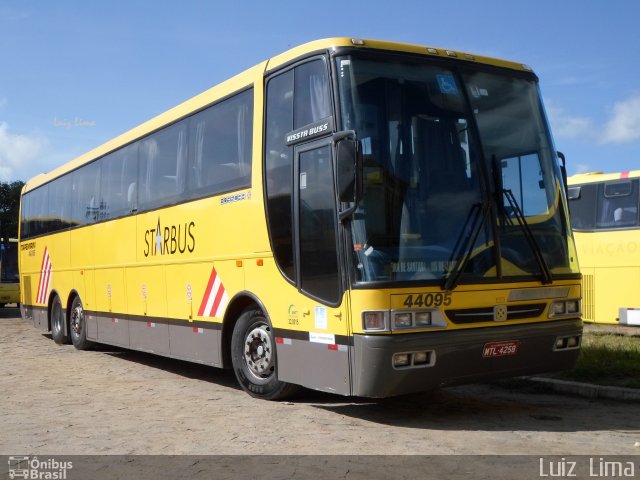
(312, 93)
(582, 206)
(279, 169)
(618, 204)
(295, 98)
(119, 173)
(86, 192)
(162, 164)
(221, 146)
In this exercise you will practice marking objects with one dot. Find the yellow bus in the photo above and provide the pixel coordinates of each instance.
(604, 217)
(9, 278)
(352, 216)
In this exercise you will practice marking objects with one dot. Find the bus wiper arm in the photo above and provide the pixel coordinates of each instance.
(531, 239)
(464, 246)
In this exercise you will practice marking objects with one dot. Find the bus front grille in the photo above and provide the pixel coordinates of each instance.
(479, 315)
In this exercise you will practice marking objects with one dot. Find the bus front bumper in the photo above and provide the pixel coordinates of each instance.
(460, 356)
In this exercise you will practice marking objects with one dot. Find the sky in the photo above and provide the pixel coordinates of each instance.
(74, 74)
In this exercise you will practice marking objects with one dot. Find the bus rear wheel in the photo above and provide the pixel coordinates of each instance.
(78, 326)
(253, 354)
(57, 322)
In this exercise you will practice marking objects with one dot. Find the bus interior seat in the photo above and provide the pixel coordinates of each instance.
(625, 216)
(132, 196)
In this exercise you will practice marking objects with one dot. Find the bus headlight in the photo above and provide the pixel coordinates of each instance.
(572, 306)
(410, 319)
(556, 308)
(402, 320)
(423, 319)
(564, 308)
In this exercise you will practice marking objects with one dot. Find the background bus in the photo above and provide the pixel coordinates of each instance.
(353, 216)
(604, 217)
(9, 277)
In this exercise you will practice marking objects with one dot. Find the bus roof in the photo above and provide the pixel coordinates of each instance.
(245, 79)
(596, 177)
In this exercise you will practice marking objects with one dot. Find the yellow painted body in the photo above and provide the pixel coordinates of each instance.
(121, 268)
(609, 262)
(9, 286)
(9, 293)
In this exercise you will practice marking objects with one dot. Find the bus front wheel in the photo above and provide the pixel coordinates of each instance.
(57, 322)
(253, 354)
(78, 326)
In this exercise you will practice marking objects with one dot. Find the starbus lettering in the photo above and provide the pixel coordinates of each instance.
(169, 240)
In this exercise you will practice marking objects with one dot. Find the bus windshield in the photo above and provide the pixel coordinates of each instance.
(454, 162)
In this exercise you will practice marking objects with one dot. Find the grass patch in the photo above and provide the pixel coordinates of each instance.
(607, 359)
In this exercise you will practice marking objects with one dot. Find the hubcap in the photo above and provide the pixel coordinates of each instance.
(76, 317)
(258, 352)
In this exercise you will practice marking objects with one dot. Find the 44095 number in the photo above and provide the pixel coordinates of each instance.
(428, 300)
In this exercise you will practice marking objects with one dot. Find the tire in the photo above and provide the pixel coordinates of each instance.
(253, 354)
(78, 326)
(58, 321)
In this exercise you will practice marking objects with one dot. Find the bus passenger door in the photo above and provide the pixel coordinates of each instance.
(322, 308)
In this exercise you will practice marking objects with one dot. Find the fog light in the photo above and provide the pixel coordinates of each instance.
(423, 319)
(402, 320)
(420, 358)
(573, 342)
(374, 320)
(561, 343)
(401, 359)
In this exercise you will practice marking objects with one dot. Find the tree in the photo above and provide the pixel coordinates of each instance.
(10, 208)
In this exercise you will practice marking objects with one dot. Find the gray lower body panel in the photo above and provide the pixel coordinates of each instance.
(458, 357)
(38, 315)
(194, 342)
(319, 366)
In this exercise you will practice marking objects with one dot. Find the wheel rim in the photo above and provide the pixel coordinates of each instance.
(258, 352)
(77, 316)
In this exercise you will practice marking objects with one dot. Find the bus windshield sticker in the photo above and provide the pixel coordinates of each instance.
(310, 131)
(321, 318)
(477, 92)
(447, 84)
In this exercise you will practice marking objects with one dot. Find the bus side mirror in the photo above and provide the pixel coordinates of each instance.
(346, 170)
(563, 170)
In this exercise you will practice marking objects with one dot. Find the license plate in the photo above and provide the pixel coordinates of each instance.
(500, 349)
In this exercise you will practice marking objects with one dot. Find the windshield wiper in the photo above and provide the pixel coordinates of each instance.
(531, 239)
(464, 246)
